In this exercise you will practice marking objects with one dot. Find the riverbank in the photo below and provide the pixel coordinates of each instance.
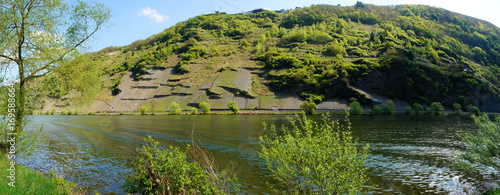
(32, 182)
(258, 112)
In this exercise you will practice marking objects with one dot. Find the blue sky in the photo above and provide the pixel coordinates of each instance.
(136, 20)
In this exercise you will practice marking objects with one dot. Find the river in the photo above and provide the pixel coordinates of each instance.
(409, 154)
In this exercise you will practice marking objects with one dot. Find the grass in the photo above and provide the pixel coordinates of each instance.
(32, 182)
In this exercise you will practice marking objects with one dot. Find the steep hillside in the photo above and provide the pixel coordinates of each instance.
(327, 54)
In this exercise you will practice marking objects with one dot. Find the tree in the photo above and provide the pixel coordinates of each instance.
(308, 107)
(359, 4)
(474, 110)
(418, 108)
(376, 109)
(194, 111)
(457, 108)
(437, 108)
(315, 158)
(40, 36)
(389, 107)
(175, 108)
(143, 110)
(205, 107)
(483, 147)
(408, 110)
(355, 108)
(233, 107)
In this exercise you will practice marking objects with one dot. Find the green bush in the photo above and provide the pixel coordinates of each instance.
(194, 111)
(172, 171)
(482, 148)
(308, 107)
(205, 107)
(233, 107)
(474, 110)
(175, 108)
(64, 112)
(143, 110)
(377, 110)
(437, 108)
(457, 108)
(355, 108)
(334, 49)
(408, 110)
(53, 111)
(428, 111)
(315, 158)
(417, 108)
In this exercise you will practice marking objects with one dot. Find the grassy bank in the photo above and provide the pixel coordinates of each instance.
(31, 182)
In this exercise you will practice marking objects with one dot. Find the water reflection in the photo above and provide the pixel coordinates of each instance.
(410, 154)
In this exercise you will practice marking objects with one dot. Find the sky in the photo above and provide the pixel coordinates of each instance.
(135, 20)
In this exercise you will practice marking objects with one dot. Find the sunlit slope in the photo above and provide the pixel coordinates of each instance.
(327, 54)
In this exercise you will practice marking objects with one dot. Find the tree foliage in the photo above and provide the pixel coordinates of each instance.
(172, 171)
(41, 36)
(233, 107)
(308, 107)
(355, 108)
(204, 107)
(482, 147)
(315, 158)
(175, 108)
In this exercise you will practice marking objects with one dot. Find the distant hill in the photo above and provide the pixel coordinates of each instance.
(323, 53)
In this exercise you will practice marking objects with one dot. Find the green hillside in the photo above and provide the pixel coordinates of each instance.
(409, 53)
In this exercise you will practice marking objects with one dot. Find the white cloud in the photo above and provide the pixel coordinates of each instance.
(153, 15)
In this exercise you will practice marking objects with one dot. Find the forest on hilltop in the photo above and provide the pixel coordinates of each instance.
(414, 53)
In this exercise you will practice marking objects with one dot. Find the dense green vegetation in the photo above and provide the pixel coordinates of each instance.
(482, 147)
(415, 53)
(315, 158)
(173, 171)
(33, 182)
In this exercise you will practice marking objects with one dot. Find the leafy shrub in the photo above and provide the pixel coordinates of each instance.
(482, 148)
(308, 107)
(428, 111)
(194, 111)
(53, 111)
(408, 110)
(437, 108)
(143, 110)
(312, 97)
(355, 108)
(233, 107)
(389, 107)
(205, 107)
(377, 110)
(334, 49)
(64, 112)
(474, 110)
(319, 37)
(457, 108)
(175, 108)
(417, 108)
(172, 171)
(315, 158)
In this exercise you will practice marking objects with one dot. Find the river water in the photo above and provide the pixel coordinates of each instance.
(409, 154)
